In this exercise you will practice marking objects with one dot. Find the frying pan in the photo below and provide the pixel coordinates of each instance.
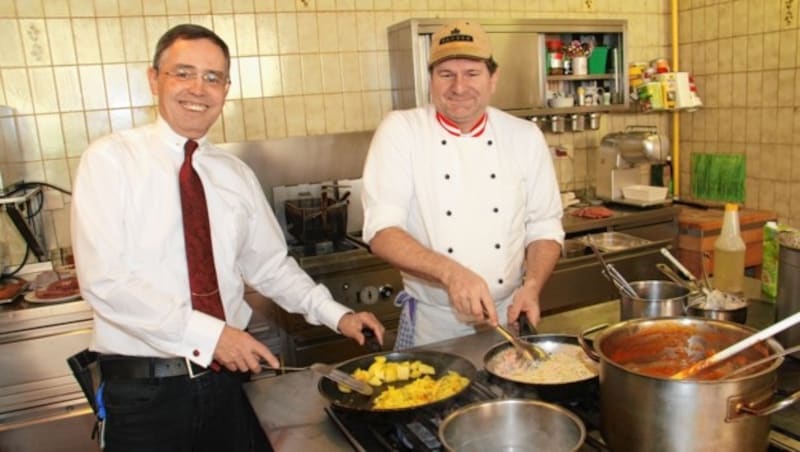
(551, 343)
(442, 362)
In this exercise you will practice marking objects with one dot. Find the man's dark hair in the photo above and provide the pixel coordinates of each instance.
(189, 32)
(491, 65)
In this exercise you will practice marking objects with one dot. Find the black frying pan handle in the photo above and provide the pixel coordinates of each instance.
(526, 328)
(370, 341)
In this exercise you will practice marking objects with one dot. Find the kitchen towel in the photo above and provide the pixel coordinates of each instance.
(718, 177)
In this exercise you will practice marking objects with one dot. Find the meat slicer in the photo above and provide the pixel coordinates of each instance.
(624, 159)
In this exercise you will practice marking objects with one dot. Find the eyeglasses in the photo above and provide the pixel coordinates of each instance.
(211, 78)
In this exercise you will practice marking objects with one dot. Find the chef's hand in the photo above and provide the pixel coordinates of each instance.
(238, 351)
(469, 293)
(526, 300)
(352, 323)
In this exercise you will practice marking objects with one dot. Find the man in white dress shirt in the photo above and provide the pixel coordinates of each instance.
(463, 199)
(128, 237)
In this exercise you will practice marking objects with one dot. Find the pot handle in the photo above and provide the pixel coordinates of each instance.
(585, 345)
(766, 411)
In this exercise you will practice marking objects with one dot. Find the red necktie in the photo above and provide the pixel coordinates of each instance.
(197, 236)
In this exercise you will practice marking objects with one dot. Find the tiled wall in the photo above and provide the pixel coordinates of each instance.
(746, 56)
(74, 70)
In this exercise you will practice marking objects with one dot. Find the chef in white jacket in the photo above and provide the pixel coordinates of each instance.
(463, 199)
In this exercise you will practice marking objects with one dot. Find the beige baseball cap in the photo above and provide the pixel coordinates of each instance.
(461, 39)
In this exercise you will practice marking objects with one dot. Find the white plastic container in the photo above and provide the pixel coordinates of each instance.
(647, 193)
(729, 249)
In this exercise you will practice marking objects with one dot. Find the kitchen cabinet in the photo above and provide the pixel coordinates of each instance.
(519, 48)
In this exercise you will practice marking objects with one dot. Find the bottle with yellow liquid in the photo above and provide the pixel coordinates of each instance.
(729, 252)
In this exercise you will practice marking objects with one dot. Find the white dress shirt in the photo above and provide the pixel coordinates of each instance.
(479, 200)
(127, 237)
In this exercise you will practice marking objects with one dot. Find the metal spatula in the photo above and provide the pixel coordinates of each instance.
(331, 373)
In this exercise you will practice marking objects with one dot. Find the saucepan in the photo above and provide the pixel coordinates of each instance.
(512, 425)
(352, 401)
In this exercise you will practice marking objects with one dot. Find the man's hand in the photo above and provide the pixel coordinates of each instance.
(469, 293)
(526, 299)
(352, 323)
(238, 351)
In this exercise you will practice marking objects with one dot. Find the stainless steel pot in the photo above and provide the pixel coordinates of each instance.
(654, 298)
(640, 411)
(512, 425)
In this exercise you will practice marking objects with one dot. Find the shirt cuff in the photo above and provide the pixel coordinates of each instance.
(201, 337)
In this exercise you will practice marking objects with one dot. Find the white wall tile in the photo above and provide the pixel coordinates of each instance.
(116, 78)
(56, 8)
(177, 7)
(51, 138)
(75, 138)
(287, 33)
(106, 8)
(112, 47)
(34, 41)
(129, 8)
(120, 119)
(135, 39)
(267, 34)
(312, 73)
(308, 33)
(86, 44)
(29, 8)
(250, 73)
(154, 7)
(68, 88)
(97, 124)
(93, 87)
(62, 45)
(200, 6)
(246, 42)
(28, 138)
(270, 68)
(43, 90)
(81, 8)
(18, 93)
(11, 43)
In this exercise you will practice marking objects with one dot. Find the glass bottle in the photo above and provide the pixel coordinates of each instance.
(729, 250)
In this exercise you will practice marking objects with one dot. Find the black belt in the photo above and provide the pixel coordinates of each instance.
(114, 367)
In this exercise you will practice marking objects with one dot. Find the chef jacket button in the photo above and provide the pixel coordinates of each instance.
(489, 142)
(500, 281)
(444, 142)
(495, 210)
(196, 352)
(493, 176)
(497, 246)
(448, 213)
(450, 250)
(446, 177)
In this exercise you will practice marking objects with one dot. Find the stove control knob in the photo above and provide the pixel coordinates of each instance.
(368, 295)
(386, 291)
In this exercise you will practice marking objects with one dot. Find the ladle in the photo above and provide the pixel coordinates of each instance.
(737, 347)
(529, 351)
(761, 361)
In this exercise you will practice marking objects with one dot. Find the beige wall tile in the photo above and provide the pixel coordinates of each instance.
(43, 90)
(225, 27)
(116, 78)
(81, 8)
(308, 32)
(295, 115)
(235, 88)
(135, 39)
(314, 107)
(68, 88)
(233, 121)
(34, 41)
(250, 73)
(372, 109)
(275, 113)
(243, 6)
(178, 7)
(312, 73)
(351, 71)
(773, 10)
(112, 48)
(144, 115)
(771, 49)
(754, 86)
(270, 76)
(74, 129)
(725, 55)
(138, 85)
(62, 46)
(18, 93)
(93, 87)
(285, 5)
(369, 70)
(327, 32)
(153, 7)
(740, 61)
(245, 25)
(755, 17)
(203, 6)
(334, 112)
(154, 27)
(51, 138)
(784, 120)
(365, 30)
(769, 126)
(786, 87)
(97, 124)
(106, 8)
(255, 126)
(353, 111)
(12, 152)
(753, 132)
(29, 139)
(348, 40)
(29, 8)
(287, 33)
(56, 8)
(86, 43)
(267, 34)
(788, 49)
(11, 43)
(128, 8)
(291, 75)
(331, 73)
(326, 5)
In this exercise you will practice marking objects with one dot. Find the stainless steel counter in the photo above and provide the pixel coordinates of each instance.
(291, 410)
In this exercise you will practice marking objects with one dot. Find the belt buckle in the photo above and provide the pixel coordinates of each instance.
(190, 371)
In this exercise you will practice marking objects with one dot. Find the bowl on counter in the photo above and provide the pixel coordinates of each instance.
(561, 102)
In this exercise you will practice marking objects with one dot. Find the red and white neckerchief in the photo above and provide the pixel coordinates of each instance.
(453, 129)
